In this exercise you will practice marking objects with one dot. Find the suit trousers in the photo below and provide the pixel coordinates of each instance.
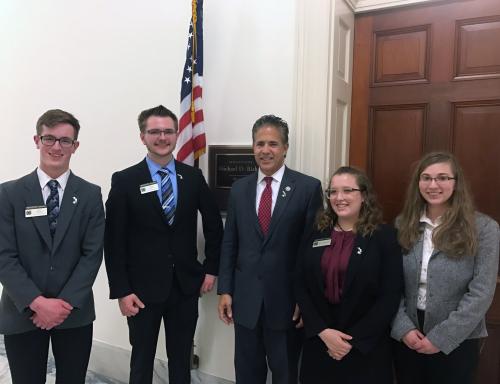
(180, 314)
(257, 348)
(458, 367)
(27, 354)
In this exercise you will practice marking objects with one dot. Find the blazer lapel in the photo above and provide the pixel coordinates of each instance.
(416, 258)
(144, 177)
(287, 188)
(68, 207)
(180, 201)
(317, 254)
(33, 198)
(358, 253)
(250, 201)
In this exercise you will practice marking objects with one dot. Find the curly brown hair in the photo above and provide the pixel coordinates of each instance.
(456, 235)
(370, 215)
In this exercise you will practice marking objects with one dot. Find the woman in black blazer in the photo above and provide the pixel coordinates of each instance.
(348, 286)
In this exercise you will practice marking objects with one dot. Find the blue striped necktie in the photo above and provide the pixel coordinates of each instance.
(52, 204)
(167, 196)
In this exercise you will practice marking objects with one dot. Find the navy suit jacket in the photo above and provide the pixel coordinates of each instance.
(257, 270)
(142, 251)
(33, 264)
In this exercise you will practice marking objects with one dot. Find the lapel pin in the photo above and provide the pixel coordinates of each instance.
(285, 190)
(179, 176)
(75, 200)
(360, 251)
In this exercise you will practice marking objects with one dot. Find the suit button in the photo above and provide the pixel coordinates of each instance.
(52, 268)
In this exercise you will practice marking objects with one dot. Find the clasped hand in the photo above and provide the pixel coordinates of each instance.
(49, 313)
(417, 341)
(336, 342)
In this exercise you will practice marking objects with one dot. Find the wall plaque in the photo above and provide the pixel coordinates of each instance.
(226, 164)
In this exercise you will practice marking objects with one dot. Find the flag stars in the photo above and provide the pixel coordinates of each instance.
(187, 80)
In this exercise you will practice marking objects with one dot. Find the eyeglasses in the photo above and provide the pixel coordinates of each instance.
(49, 141)
(439, 179)
(158, 132)
(345, 191)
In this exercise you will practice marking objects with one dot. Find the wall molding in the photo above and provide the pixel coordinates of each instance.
(360, 6)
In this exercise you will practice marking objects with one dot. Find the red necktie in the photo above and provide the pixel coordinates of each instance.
(265, 205)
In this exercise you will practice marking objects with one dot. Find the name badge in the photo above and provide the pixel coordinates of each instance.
(322, 242)
(149, 187)
(35, 211)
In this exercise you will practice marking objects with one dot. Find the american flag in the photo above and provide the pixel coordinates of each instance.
(191, 142)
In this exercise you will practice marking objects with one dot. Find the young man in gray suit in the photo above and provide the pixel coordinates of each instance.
(267, 216)
(51, 235)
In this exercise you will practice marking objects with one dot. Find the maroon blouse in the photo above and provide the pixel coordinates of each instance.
(334, 263)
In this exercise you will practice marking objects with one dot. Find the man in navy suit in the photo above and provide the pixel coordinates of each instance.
(151, 248)
(51, 233)
(267, 215)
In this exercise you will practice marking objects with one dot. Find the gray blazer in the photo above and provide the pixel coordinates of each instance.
(459, 291)
(33, 264)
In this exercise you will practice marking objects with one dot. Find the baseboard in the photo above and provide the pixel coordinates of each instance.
(113, 362)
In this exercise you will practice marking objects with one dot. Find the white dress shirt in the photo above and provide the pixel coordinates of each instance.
(43, 178)
(275, 186)
(427, 250)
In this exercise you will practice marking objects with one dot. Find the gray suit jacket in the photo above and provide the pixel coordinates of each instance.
(258, 270)
(459, 291)
(33, 264)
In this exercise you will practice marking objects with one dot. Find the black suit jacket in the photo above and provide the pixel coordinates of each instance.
(142, 251)
(371, 293)
(256, 269)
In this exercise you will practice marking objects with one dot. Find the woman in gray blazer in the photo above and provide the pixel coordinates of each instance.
(450, 267)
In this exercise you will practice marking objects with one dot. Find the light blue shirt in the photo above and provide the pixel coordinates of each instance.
(155, 176)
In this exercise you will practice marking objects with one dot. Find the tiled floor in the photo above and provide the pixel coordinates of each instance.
(197, 377)
(92, 378)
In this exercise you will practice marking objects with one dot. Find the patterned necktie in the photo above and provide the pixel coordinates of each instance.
(167, 196)
(265, 205)
(52, 204)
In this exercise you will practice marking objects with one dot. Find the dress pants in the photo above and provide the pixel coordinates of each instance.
(180, 314)
(458, 367)
(27, 354)
(257, 348)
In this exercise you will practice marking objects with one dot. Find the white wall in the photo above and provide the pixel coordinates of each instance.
(105, 61)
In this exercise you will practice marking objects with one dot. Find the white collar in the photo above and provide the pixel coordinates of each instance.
(277, 176)
(425, 219)
(43, 178)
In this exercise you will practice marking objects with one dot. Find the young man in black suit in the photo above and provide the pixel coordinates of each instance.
(268, 212)
(151, 248)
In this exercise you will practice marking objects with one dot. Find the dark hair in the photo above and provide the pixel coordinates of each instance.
(273, 121)
(370, 215)
(54, 117)
(456, 235)
(160, 111)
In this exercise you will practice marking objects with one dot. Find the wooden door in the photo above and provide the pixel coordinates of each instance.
(428, 78)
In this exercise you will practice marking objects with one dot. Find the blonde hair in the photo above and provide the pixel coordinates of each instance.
(456, 235)
(370, 214)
